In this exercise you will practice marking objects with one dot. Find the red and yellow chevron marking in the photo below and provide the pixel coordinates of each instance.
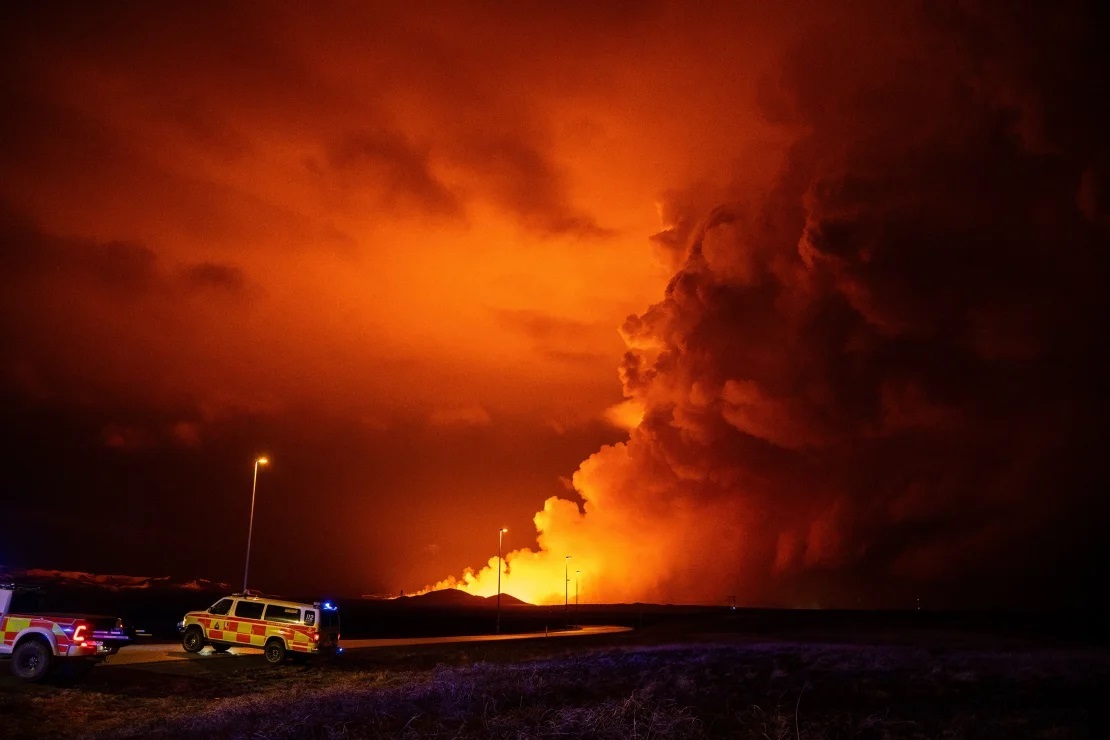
(255, 632)
(12, 625)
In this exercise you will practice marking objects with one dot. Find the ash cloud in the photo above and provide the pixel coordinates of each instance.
(883, 379)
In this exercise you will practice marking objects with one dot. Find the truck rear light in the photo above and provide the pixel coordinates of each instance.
(79, 632)
(316, 637)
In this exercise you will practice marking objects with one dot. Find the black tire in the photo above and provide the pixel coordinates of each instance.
(31, 659)
(219, 648)
(275, 651)
(193, 641)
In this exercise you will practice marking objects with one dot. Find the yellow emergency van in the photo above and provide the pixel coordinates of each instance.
(277, 627)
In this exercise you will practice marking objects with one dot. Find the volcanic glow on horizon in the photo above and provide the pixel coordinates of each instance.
(782, 304)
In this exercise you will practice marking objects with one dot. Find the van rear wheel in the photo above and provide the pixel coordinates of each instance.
(275, 651)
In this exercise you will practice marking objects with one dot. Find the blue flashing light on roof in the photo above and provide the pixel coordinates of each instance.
(328, 606)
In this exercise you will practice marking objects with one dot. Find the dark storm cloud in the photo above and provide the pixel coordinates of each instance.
(28, 254)
(78, 313)
(122, 270)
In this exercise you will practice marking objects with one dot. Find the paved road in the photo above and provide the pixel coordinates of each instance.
(154, 653)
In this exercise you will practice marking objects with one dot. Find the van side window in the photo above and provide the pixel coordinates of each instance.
(221, 607)
(275, 613)
(249, 610)
(309, 617)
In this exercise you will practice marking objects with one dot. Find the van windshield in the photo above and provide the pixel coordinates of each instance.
(221, 607)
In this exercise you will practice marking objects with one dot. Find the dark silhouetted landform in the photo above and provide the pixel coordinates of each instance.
(455, 597)
(108, 582)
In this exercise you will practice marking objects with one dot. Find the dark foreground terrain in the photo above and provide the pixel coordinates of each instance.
(692, 676)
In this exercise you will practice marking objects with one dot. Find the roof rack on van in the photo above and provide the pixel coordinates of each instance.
(249, 593)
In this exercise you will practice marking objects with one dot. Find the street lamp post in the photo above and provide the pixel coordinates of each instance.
(250, 528)
(566, 592)
(500, 533)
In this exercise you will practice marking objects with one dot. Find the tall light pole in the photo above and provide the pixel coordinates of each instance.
(500, 533)
(566, 592)
(250, 529)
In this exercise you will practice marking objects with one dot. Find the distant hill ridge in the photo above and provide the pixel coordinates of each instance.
(456, 597)
(109, 582)
(115, 582)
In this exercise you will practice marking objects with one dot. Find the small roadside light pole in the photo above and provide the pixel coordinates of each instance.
(500, 534)
(250, 528)
(566, 592)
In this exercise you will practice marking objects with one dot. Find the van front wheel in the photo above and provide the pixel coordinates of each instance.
(275, 651)
(193, 641)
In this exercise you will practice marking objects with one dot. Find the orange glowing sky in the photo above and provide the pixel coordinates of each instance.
(405, 225)
(394, 249)
(399, 218)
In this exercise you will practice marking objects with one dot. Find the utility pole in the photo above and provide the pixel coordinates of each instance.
(500, 534)
(566, 592)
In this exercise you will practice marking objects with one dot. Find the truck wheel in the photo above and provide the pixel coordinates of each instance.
(31, 659)
(193, 642)
(275, 651)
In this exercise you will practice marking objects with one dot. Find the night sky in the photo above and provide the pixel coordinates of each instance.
(798, 303)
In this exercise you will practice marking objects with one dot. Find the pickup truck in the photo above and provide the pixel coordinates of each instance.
(37, 642)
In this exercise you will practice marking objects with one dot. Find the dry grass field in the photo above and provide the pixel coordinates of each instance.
(648, 684)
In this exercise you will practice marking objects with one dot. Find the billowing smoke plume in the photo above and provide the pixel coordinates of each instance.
(881, 380)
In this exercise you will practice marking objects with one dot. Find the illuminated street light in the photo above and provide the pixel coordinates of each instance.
(566, 592)
(500, 533)
(250, 528)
